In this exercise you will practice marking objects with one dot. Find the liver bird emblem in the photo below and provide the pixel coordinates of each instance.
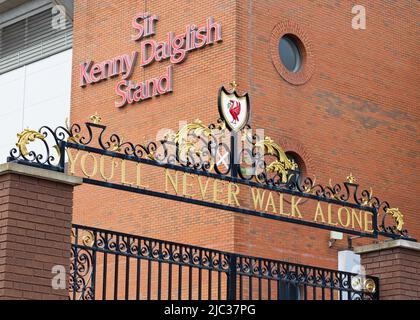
(234, 110)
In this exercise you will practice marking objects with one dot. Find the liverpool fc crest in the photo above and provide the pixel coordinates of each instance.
(234, 108)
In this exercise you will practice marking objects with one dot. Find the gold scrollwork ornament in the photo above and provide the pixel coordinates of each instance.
(183, 139)
(351, 179)
(280, 166)
(25, 137)
(369, 286)
(96, 118)
(398, 217)
(88, 238)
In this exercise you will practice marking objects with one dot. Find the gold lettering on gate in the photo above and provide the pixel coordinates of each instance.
(222, 192)
(281, 211)
(72, 161)
(330, 222)
(232, 194)
(319, 213)
(187, 186)
(368, 222)
(295, 208)
(139, 177)
(340, 218)
(124, 174)
(203, 190)
(358, 218)
(173, 182)
(270, 203)
(257, 198)
(114, 164)
(217, 191)
(83, 165)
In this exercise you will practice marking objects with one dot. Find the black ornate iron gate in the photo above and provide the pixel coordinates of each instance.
(112, 265)
(107, 264)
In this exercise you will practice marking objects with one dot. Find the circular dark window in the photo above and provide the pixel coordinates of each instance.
(289, 53)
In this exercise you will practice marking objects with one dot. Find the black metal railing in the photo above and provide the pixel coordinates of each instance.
(112, 265)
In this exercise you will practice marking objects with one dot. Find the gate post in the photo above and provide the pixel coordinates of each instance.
(35, 228)
(397, 265)
(231, 283)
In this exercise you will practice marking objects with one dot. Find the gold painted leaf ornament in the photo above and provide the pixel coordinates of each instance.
(283, 164)
(25, 137)
(398, 217)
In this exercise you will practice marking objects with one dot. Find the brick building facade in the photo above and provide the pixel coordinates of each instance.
(353, 107)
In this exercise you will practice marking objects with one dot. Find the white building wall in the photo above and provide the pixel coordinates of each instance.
(32, 96)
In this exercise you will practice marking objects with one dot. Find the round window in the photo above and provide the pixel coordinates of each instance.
(289, 53)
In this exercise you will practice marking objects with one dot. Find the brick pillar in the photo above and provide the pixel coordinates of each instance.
(397, 264)
(35, 230)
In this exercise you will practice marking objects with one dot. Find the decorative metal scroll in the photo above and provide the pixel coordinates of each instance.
(205, 148)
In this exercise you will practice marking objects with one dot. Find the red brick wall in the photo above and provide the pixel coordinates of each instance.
(35, 226)
(357, 113)
(398, 272)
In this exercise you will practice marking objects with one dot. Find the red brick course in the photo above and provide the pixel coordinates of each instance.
(398, 270)
(35, 227)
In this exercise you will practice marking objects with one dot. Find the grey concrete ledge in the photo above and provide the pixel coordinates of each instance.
(388, 245)
(16, 168)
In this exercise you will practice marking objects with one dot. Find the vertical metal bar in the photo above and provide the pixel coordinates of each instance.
(250, 279)
(259, 280)
(190, 281)
(76, 242)
(232, 277)
(170, 273)
(127, 277)
(62, 163)
(180, 275)
(105, 269)
(305, 286)
(138, 274)
(332, 286)
(116, 269)
(200, 275)
(323, 285)
(350, 292)
(240, 280)
(269, 281)
(149, 272)
(287, 283)
(278, 282)
(233, 156)
(93, 283)
(313, 284)
(219, 276)
(375, 222)
(209, 284)
(160, 272)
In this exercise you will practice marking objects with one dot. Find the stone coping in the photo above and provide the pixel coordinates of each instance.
(16, 168)
(392, 244)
